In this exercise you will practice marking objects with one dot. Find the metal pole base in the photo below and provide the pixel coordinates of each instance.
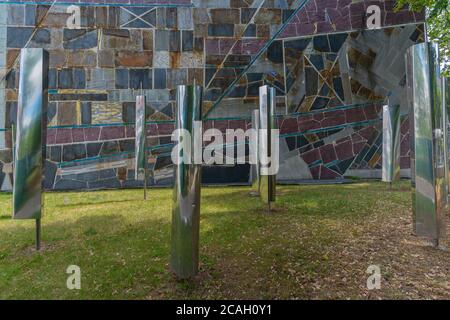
(38, 234)
(145, 186)
(389, 186)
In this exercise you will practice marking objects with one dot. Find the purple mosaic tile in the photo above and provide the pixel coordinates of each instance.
(333, 120)
(236, 124)
(220, 125)
(78, 135)
(207, 125)
(92, 134)
(327, 153)
(354, 115)
(326, 173)
(405, 162)
(152, 129)
(63, 136)
(304, 125)
(311, 156)
(371, 112)
(111, 133)
(248, 46)
(225, 45)
(344, 150)
(51, 136)
(318, 116)
(212, 46)
(358, 146)
(315, 172)
(288, 125)
(328, 16)
(165, 128)
(367, 132)
(130, 131)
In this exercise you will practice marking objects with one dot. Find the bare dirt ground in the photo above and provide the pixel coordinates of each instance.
(330, 261)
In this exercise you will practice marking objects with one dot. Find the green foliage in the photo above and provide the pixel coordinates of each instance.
(438, 21)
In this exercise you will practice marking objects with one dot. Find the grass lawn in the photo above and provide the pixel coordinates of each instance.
(317, 244)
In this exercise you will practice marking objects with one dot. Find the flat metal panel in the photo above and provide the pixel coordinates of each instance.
(186, 193)
(427, 141)
(391, 143)
(30, 134)
(140, 139)
(255, 173)
(267, 122)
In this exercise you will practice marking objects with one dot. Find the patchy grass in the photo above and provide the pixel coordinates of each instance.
(317, 244)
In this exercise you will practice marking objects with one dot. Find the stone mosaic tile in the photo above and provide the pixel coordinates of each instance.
(80, 38)
(106, 112)
(344, 15)
(100, 78)
(69, 113)
(97, 71)
(137, 17)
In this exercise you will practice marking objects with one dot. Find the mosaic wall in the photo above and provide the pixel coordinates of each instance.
(331, 77)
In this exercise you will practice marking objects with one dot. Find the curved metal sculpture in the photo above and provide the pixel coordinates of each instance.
(446, 111)
(141, 143)
(255, 172)
(391, 143)
(187, 186)
(427, 140)
(267, 122)
(30, 141)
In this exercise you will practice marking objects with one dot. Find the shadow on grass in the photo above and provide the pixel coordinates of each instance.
(91, 203)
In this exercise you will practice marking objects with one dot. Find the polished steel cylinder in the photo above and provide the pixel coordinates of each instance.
(427, 140)
(187, 185)
(255, 172)
(267, 122)
(30, 141)
(446, 112)
(140, 139)
(391, 143)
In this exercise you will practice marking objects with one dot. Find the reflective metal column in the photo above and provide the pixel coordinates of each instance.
(446, 112)
(427, 140)
(444, 241)
(255, 173)
(187, 185)
(267, 122)
(391, 143)
(30, 141)
(141, 143)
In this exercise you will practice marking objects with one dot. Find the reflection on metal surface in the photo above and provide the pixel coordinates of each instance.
(391, 143)
(446, 112)
(255, 173)
(30, 134)
(267, 122)
(140, 140)
(141, 143)
(427, 140)
(186, 194)
(444, 241)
